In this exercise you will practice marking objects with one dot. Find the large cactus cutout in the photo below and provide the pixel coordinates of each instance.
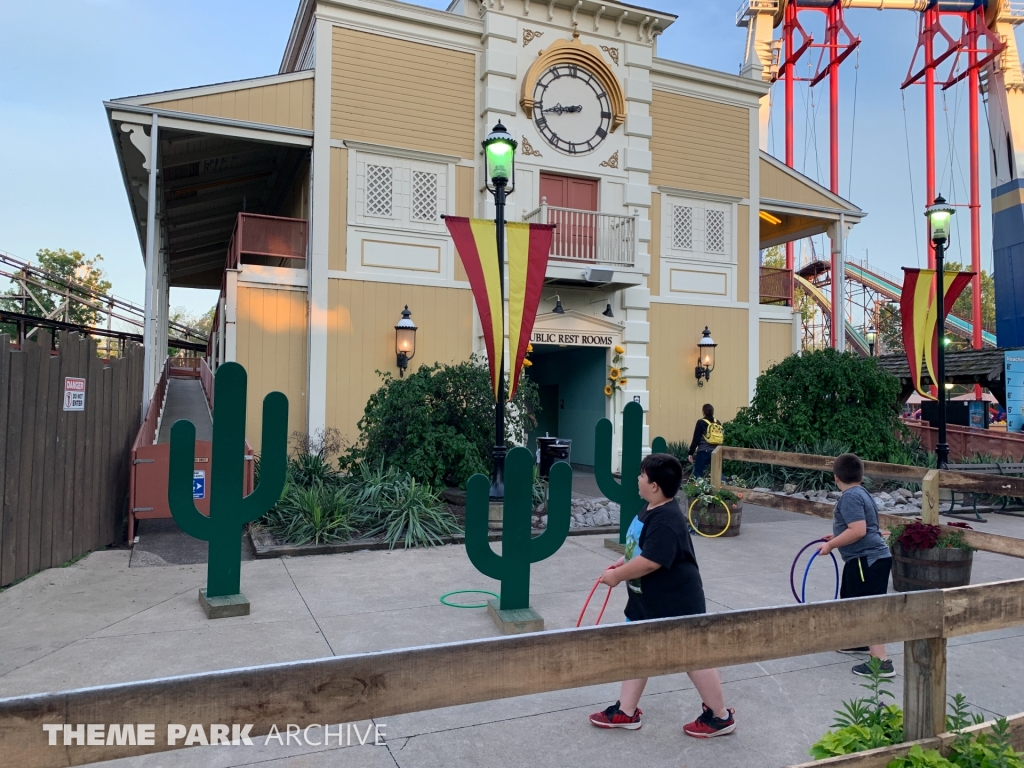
(626, 492)
(519, 549)
(229, 510)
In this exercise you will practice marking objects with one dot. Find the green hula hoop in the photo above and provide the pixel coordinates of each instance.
(465, 592)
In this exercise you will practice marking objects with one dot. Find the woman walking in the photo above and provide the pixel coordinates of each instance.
(707, 435)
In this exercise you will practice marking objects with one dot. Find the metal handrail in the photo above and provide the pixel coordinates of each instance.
(589, 236)
(750, 7)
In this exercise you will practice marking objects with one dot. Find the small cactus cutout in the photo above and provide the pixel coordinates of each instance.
(519, 548)
(229, 510)
(626, 491)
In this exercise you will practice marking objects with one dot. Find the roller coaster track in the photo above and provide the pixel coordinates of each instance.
(891, 289)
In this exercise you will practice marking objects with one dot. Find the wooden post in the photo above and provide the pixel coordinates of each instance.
(924, 688)
(716, 468)
(930, 497)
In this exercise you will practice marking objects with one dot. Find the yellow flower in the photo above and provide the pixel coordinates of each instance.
(623, 382)
(527, 363)
(529, 348)
(608, 390)
(614, 373)
(619, 350)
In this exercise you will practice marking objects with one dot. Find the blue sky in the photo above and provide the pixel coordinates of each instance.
(60, 186)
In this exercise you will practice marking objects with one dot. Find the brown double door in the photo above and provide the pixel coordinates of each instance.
(576, 230)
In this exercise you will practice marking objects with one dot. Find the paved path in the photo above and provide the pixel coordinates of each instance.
(100, 621)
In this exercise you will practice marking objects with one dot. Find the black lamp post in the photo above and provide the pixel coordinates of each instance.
(871, 335)
(500, 153)
(939, 214)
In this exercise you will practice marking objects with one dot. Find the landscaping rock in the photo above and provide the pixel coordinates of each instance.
(763, 490)
(789, 488)
(918, 494)
(904, 493)
(834, 494)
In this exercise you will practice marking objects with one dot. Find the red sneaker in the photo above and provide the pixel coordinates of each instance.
(708, 726)
(613, 717)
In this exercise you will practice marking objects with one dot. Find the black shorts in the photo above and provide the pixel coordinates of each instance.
(861, 580)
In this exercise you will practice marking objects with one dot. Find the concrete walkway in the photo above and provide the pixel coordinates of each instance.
(100, 621)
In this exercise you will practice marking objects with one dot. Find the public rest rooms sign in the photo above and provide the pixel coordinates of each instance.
(575, 329)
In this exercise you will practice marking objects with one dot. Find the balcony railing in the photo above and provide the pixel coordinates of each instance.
(776, 286)
(588, 236)
(273, 241)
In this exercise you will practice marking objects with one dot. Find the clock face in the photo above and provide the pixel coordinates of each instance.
(571, 109)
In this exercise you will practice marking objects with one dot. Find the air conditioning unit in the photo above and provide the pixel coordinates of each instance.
(598, 275)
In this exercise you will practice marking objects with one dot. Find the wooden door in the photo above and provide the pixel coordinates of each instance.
(576, 230)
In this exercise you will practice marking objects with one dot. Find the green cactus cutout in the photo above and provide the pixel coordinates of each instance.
(627, 492)
(229, 510)
(519, 549)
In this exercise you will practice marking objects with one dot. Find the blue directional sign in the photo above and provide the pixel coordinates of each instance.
(199, 484)
(1014, 390)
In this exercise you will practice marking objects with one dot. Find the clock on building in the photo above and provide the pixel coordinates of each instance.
(573, 97)
(571, 109)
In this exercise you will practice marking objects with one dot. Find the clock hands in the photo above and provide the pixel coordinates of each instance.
(558, 109)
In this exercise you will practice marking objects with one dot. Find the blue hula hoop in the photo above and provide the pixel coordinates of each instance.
(807, 570)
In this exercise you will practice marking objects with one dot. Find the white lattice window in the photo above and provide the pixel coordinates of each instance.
(424, 196)
(714, 231)
(682, 227)
(379, 190)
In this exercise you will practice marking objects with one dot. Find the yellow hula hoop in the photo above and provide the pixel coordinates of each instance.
(728, 520)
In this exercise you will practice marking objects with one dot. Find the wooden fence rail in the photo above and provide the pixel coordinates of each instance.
(930, 479)
(63, 473)
(353, 688)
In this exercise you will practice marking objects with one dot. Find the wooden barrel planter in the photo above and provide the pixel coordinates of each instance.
(936, 568)
(711, 521)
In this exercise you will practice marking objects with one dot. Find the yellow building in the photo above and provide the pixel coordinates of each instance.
(371, 131)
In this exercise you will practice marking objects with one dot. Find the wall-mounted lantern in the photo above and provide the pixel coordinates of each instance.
(705, 357)
(405, 340)
(870, 337)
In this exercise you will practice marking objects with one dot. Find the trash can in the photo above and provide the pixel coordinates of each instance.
(550, 450)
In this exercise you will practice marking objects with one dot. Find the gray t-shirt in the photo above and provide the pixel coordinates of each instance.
(856, 504)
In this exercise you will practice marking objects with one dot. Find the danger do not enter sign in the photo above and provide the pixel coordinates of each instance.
(74, 394)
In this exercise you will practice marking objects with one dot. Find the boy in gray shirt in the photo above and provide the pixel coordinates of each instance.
(855, 534)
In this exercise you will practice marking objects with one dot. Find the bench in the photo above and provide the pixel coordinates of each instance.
(988, 469)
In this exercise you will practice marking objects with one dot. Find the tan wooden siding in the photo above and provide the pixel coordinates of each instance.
(286, 104)
(271, 344)
(700, 145)
(361, 339)
(338, 243)
(776, 343)
(742, 252)
(465, 205)
(676, 399)
(402, 94)
(778, 185)
(654, 281)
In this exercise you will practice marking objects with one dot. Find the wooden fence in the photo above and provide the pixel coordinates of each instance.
(376, 685)
(63, 473)
(931, 480)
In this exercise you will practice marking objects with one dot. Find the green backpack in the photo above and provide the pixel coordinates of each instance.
(715, 434)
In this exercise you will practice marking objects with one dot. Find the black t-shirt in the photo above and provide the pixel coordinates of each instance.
(675, 589)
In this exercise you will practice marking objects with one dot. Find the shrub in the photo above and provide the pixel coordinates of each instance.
(393, 504)
(774, 476)
(680, 449)
(316, 514)
(804, 399)
(437, 424)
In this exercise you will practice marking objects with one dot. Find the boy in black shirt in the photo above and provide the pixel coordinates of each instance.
(663, 581)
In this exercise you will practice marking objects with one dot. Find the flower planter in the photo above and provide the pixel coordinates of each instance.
(937, 568)
(711, 520)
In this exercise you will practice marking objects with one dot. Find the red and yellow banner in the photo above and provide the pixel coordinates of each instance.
(918, 310)
(527, 246)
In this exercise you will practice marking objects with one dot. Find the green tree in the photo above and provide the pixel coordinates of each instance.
(437, 424)
(77, 275)
(202, 323)
(890, 329)
(805, 399)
